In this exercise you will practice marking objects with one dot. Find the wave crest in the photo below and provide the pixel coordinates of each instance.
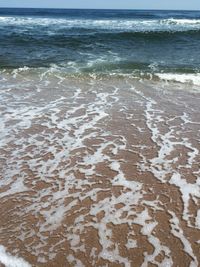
(135, 25)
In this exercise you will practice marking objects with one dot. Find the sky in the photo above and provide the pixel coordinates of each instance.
(110, 4)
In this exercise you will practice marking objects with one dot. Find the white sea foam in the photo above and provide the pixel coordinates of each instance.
(74, 261)
(182, 21)
(198, 219)
(131, 244)
(178, 232)
(188, 190)
(161, 165)
(182, 78)
(11, 261)
(64, 141)
(113, 24)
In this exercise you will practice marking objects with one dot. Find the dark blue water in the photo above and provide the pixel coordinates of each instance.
(101, 41)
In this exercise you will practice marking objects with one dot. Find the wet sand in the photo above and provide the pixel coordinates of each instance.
(100, 172)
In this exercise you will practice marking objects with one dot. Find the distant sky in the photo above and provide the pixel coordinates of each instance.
(113, 4)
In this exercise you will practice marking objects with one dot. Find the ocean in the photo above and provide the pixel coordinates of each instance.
(99, 138)
(102, 41)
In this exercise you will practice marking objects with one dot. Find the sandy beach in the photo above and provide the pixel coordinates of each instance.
(99, 172)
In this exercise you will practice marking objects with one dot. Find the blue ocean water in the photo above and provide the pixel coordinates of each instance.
(101, 41)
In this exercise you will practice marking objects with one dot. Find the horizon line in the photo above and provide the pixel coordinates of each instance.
(84, 8)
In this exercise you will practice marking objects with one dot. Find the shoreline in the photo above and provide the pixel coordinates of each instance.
(100, 171)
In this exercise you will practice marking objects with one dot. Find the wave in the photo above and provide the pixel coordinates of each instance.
(186, 78)
(137, 25)
(91, 41)
(85, 45)
(73, 70)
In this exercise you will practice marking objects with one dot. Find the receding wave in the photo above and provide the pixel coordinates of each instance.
(105, 70)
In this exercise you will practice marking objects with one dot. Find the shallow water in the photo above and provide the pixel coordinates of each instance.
(98, 171)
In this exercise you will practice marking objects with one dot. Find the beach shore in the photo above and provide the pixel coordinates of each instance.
(100, 172)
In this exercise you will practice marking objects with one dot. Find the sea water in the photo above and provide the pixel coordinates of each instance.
(99, 138)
